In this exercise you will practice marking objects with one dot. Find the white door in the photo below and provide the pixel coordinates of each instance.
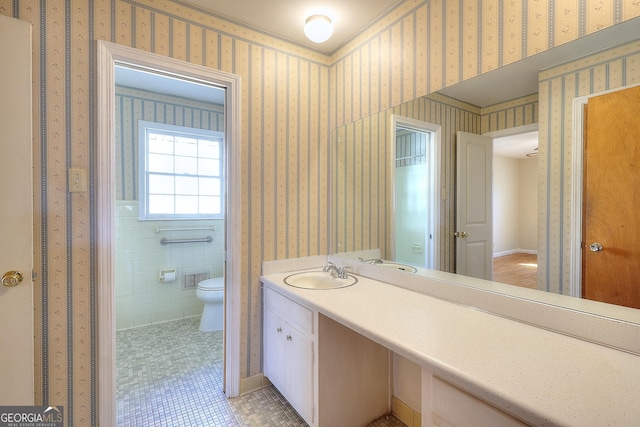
(474, 230)
(16, 213)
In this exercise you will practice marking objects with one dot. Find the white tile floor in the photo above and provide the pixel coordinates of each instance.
(170, 374)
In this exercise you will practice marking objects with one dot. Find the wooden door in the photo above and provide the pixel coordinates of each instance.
(474, 227)
(16, 214)
(611, 231)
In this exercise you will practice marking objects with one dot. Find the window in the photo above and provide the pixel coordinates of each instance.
(180, 172)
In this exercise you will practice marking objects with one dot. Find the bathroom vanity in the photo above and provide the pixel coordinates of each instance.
(318, 364)
(329, 352)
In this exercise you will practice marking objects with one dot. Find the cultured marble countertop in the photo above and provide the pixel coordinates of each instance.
(542, 377)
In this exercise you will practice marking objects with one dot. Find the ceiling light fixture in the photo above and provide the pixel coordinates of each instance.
(318, 28)
(534, 154)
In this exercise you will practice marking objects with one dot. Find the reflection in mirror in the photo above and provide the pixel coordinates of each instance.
(414, 173)
(361, 188)
(515, 206)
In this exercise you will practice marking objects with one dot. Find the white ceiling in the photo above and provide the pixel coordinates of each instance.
(285, 18)
(517, 146)
(158, 83)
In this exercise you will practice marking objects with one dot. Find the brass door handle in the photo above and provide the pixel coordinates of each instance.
(11, 278)
(462, 234)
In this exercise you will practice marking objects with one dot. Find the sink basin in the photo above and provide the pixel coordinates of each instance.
(398, 266)
(318, 280)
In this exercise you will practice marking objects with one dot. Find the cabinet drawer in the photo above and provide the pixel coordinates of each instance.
(293, 313)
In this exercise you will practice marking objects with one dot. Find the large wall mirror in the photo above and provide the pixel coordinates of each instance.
(538, 95)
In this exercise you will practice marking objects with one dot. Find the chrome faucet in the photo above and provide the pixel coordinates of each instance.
(335, 271)
(342, 272)
(332, 269)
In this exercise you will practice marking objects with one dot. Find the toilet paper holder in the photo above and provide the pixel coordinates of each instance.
(167, 275)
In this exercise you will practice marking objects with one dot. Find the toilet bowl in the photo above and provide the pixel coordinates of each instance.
(211, 293)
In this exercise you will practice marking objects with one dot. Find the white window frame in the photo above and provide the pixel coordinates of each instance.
(143, 173)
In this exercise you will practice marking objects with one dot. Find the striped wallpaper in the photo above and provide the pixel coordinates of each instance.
(285, 130)
(422, 46)
(510, 114)
(133, 105)
(411, 148)
(292, 97)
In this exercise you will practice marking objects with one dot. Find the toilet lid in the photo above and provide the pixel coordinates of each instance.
(213, 284)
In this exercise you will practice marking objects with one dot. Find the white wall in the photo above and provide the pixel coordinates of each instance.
(528, 184)
(411, 214)
(515, 205)
(505, 204)
(407, 382)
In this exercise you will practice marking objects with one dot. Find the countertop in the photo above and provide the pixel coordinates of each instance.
(542, 377)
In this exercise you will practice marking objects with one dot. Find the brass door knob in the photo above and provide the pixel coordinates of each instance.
(596, 247)
(11, 278)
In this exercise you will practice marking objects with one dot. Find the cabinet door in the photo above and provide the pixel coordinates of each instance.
(299, 372)
(274, 350)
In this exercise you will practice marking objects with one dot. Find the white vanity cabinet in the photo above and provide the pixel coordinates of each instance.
(289, 351)
(474, 368)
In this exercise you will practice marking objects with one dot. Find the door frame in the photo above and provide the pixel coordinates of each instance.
(434, 174)
(108, 55)
(577, 161)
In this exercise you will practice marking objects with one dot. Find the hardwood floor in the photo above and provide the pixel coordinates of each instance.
(518, 269)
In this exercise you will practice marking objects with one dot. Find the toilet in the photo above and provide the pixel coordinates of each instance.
(211, 293)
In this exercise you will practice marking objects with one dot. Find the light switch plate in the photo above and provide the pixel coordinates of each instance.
(77, 180)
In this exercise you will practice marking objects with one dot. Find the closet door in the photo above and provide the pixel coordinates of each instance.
(16, 214)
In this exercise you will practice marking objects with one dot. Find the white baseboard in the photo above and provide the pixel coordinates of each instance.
(514, 251)
(253, 383)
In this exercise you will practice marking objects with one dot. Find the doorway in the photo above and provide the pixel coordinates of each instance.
(415, 172)
(109, 56)
(515, 206)
(169, 238)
